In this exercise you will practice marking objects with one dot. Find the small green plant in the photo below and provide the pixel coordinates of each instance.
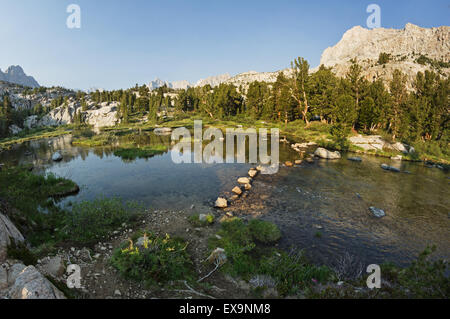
(196, 222)
(155, 260)
(264, 232)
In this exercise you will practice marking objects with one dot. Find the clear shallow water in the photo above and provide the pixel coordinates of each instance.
(303, 201)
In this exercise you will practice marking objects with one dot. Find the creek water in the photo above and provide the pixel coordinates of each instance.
(323, 207)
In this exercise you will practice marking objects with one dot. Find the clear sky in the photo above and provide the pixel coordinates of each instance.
(122, 43)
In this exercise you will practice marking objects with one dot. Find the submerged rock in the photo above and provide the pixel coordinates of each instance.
(355, 159)
(379, 213)
(390, 168)
(57, 157)
(326, 154)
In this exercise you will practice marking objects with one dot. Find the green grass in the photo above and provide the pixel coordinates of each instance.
(89, 222)
(35, 214)
(158, 260)
(33, 134)
(132, 153)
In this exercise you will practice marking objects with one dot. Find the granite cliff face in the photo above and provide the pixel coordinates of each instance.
(15, 74)
(405, 47)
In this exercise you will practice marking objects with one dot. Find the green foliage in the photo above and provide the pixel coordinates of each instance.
(384, 58)
(133, 153)
(196, 222)
(264, 232)
(293, 272)
(157, 260)
(21, 252)
(91, 221)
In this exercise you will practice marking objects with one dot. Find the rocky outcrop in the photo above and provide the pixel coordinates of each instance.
(26, 283)
(213, 80)
(15, 74)
(8, 233)
(405, 46)
(102, 116)
(377, 143)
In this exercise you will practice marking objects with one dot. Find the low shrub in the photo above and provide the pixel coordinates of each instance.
(264, 232)
(156, 260)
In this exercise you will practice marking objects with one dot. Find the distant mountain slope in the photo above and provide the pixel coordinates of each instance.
(15, 74)
(411, 50)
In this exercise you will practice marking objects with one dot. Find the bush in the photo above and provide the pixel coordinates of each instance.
(157, 260)
(91, 221)
(264, 232)
(292, 271)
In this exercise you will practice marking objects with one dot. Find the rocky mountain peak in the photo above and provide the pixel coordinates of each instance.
(15, 74)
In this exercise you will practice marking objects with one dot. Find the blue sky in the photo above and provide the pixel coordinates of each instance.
(122, 43)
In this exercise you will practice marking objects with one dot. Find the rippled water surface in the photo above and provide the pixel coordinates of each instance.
(323, 206)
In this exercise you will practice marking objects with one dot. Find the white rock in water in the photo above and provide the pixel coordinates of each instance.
(379, 213)
(397, 158)
(57, 157)
(237, 190)
(326, 154)
(221, 203)
(252, 173)
(244, 180)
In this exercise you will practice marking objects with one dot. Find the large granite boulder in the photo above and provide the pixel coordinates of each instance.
(326, 154)
(8, 232)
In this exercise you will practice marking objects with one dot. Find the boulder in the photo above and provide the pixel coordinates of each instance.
(326, 154)
(289, 164)
(390, 168)
(221, 203)
(237, 190)
(252, 173)
(52, 266)
(57, 157)
(397, 158)
(244, 180)
(8, 232)
(248, 187)
(379, 213)
(3, 278)
(298, 162)
(399, 147)
(31, 284)
(367, 143)
(14, 129)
